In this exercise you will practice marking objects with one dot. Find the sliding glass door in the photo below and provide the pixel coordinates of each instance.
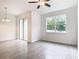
(23, 29)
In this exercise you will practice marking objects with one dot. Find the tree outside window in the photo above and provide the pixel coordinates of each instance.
(56, 23)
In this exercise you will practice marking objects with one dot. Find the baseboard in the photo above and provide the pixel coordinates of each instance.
(6, 40)
(60, 43)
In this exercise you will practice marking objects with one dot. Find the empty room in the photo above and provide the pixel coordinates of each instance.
(38, 29)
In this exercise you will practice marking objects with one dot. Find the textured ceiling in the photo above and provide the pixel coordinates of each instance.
(16, 7)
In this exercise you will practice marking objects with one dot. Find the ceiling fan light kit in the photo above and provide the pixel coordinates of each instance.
(40, 3)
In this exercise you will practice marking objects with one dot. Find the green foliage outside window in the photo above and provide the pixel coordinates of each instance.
(57, 23)
(60, 26)
(51, 24)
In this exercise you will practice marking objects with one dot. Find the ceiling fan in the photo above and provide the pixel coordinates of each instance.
(40, 3)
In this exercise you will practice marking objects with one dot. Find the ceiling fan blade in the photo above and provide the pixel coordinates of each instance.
(48, 5)
(32, 2)
(38, 6)
(47, 0)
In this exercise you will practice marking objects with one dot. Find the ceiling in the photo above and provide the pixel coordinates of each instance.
(16, 7)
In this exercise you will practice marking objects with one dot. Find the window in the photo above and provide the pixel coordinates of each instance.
(56, 24)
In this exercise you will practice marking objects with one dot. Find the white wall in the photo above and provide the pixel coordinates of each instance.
(8, 30)
(68, 38)
(35, 26)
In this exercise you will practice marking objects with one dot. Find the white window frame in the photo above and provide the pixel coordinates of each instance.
(54, 31)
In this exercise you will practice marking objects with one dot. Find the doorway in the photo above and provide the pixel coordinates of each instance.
(23, 29)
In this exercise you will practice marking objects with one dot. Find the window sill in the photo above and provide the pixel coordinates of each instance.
(56, 32)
